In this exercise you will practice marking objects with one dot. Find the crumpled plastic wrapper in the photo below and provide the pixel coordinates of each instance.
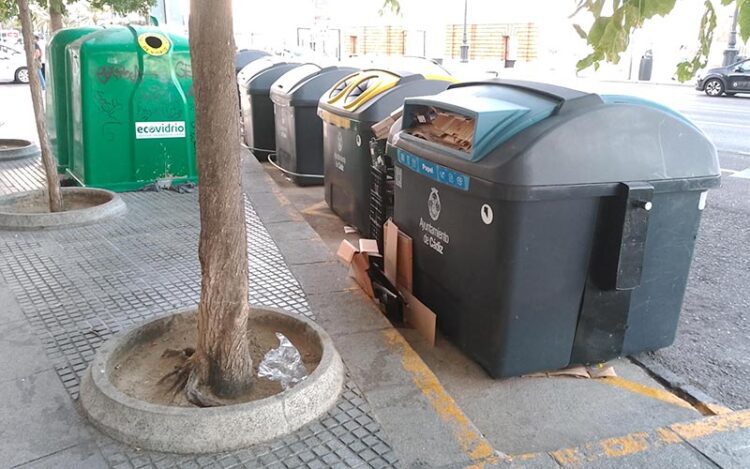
(283, 364)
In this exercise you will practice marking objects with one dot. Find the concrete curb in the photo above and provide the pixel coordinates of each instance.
(205, 430)
(687, 84)
(108, 205)
(705, 404)
(23, 149)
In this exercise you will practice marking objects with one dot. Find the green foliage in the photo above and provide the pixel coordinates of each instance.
(123, 7)
(743, 19)
(394, 6)
(9, 9)
(609, 35)
(687, 69)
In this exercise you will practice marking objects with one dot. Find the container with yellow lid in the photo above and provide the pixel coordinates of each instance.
(348, 110)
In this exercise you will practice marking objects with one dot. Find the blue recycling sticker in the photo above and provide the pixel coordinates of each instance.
(434, 171)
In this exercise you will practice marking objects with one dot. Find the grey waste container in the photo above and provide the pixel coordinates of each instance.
(299, 130)
(550, 226)
(255, 82)
(246, 56)
(348, 111)
(646, 66)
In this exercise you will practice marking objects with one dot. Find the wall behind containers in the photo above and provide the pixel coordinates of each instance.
(499, 41)
(545, 41)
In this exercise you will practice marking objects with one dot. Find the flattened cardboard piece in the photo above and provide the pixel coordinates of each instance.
(404, 262)
(420, 316)
(575, 371)
(601, 371)
(390, 248)
(360, 264)
(346, 251)
(397, 256)
(382, 129)
(578, 371)
(370, 247)
(349, 229)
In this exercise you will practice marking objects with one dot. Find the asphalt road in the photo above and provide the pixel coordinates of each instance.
(712, 350)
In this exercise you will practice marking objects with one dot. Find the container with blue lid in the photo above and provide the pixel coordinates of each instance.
(550, 226)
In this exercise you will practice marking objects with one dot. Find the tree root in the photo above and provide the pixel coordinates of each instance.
(185, 378)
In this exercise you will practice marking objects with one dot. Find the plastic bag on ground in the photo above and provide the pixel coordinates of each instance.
(283, 364)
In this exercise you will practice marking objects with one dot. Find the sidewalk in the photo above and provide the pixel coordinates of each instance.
(62, 293)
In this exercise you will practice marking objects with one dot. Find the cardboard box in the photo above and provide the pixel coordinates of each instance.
(398, 261)
(358, 258)
(383, 128)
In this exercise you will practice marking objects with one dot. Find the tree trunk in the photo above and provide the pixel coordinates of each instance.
(222, 354)
(55, 15)
(50, 167)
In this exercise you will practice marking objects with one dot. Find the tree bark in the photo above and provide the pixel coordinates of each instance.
(55, 15)
(223, 359)
(50, 167)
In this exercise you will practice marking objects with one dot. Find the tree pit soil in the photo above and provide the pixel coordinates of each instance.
(6, 144)
(37, 202)
(139, 371)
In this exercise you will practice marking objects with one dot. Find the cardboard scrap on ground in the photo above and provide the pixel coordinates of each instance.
(397, 259)
(358, 258)
(349, 229)
(420, 316)
(578, 371)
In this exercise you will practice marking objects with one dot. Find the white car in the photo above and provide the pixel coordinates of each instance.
(13, 65)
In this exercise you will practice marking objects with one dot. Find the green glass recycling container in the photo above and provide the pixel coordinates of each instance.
(132, 109)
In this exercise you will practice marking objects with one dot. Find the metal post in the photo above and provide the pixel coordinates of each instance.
(731, 52)
(465, 42)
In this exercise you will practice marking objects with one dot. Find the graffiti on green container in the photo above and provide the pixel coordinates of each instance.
(183, 70)
(119, 72)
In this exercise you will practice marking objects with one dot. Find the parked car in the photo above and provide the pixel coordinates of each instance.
(13, 65)
(728, 80)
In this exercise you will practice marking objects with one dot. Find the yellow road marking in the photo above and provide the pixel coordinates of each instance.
(640, 442)
(319, 209)
(625, 445)
(711, 425)
(668, 436)
(713, 409)
(653, 393)
(567, 456)
(479, 450)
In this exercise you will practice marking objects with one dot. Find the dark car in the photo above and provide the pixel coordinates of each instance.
(728, 80)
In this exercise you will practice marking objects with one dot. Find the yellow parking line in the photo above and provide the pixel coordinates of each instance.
(319, 209)
(476, 447)
(709, 409)
(640, 442)
(567, 456)
(710, 425)
(654, 393)
(626, 445)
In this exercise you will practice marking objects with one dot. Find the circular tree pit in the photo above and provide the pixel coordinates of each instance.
(81, 206)
(124, 395)
(15, 149)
